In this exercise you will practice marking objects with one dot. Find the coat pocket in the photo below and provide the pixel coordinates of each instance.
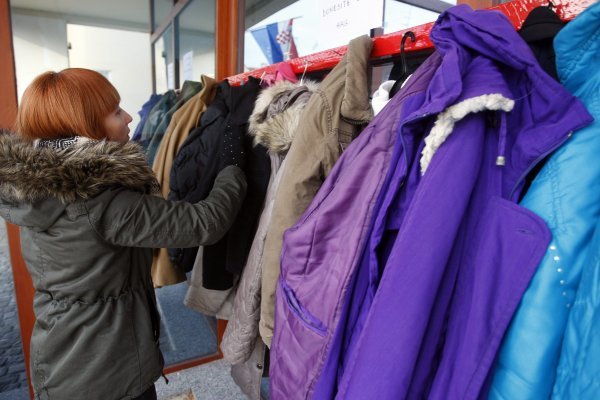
(298, 341)
(301, 313)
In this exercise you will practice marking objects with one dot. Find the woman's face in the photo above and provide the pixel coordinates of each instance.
(116, 127)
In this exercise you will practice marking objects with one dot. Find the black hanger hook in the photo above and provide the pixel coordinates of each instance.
(408, 34)
(551, 4)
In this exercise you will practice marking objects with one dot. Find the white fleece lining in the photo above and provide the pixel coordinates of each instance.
(444, 124)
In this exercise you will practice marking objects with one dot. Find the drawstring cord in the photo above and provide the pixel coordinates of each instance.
(501, 159)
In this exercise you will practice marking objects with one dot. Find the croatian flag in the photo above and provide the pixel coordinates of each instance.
(276, 41)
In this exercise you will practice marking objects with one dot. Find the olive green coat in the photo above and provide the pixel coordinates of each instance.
(88, 223)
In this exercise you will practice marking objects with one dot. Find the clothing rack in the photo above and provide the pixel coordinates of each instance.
(388, 46)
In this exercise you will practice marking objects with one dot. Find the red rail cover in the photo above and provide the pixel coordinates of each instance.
(389, 45)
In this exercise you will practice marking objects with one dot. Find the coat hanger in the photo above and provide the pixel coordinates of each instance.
(411, 35)
(262, 77)
(304, 72)
(404, 73)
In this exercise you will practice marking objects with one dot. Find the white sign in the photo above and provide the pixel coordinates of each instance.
(188, 66)
(170, 76)
(343, 20)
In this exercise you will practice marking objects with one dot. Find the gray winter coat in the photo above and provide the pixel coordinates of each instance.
(88, 224)
(273, 123)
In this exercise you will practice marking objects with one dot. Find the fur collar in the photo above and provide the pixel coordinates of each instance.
(445, 121)
(276, 133)
(82, 171)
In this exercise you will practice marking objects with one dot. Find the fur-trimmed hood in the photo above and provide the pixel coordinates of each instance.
(277, 131)
(29, 174)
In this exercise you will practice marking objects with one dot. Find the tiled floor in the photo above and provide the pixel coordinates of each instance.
(210, 381)
(13, 379)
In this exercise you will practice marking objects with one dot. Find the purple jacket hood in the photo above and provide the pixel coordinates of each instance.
(400, 278)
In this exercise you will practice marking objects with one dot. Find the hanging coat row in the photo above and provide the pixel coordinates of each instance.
(273, 124)
(389, 262)
(404, 288)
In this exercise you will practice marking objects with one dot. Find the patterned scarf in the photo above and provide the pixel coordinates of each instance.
(59, 144)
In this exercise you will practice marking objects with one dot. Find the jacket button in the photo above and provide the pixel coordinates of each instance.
(259, 366)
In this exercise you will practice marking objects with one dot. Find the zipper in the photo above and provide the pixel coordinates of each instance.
(537, 161)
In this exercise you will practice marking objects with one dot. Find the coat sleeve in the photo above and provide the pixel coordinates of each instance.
(128, 218)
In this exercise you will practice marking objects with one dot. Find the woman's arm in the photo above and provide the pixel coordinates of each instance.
(128, 218)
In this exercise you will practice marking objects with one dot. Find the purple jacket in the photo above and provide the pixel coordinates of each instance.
(388, 259)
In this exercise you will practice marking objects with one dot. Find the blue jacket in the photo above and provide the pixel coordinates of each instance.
(144, 113)
(155, 116)
(566, 194)
(578, 374)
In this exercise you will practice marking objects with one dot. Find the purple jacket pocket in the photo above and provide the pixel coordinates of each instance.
(304, 340)
(304, 316)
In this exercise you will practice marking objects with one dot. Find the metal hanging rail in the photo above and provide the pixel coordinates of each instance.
(389, 45)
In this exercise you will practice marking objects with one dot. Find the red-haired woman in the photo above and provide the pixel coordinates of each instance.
(83, 197)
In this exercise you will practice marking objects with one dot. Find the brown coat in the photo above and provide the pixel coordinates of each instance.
(184, 120)
(334, 116)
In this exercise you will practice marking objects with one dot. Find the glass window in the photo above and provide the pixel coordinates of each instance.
(400, 16)
(257, 16)
(185, 334)
(197, 40)
(162, 8)
(264, 22)
(163, 61)
(302, 17)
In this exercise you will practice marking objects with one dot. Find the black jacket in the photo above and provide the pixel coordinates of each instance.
(194, 170)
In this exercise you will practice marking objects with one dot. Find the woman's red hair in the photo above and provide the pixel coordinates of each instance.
(72, 102)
